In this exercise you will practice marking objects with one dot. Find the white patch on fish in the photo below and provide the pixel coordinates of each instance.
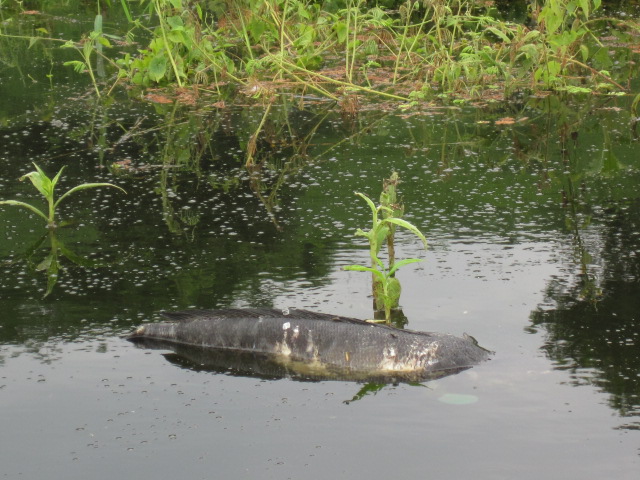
(417, 359)
(312, 349)
(422, 357)
(388, 362)
(283, 348)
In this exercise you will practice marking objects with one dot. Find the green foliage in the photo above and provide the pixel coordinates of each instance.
(386, 288)
(457, 47)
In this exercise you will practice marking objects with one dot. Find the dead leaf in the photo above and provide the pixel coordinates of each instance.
(155, 98)
(505, 121)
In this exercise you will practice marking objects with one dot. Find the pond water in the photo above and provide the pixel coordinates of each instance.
(532, 212)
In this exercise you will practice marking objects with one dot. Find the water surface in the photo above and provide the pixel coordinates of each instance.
(534, 231)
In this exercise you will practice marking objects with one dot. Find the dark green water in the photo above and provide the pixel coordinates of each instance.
(534, 231)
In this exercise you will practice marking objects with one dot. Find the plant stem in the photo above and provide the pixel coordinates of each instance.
(167, 45)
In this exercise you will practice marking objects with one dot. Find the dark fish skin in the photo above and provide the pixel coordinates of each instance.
(317, 343)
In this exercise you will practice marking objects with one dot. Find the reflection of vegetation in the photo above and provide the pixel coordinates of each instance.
(385, 286)
(597, 346)
(370, 388)
(93, 43)
(51, 263)
(591, 319)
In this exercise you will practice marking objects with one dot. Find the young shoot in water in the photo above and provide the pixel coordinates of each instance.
(386, 287)
(46, 187)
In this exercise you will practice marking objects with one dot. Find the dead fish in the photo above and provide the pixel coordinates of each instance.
(309, 344)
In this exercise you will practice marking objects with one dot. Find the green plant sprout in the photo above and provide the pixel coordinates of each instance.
(386, 287)
(46, 187)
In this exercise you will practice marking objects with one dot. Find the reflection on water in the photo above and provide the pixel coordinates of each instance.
(603, 334)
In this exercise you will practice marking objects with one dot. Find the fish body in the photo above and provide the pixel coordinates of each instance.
(315, 344)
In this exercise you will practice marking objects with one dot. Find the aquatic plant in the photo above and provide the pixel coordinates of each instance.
(386, 287)
(46, 187)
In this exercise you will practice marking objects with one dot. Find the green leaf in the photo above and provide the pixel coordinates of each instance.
(634, 104)
(372, 205)
(362, 233)
(404, 224)
(39, 180)
(157, 68)
(125, 8)
(256, 28)
(530, 51)
(78, 66)
(341, 31)
(584, 5)
(362, 268)
(402, 263)
(531, 36)
(575, 89)
(175, 23)
(305, 37)
(500, 34)
(358, 268)
(584, 52)
(177, 36)
(381, 234)
(394, 289)
(25, 205)
(54, 182)
(85, 186)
